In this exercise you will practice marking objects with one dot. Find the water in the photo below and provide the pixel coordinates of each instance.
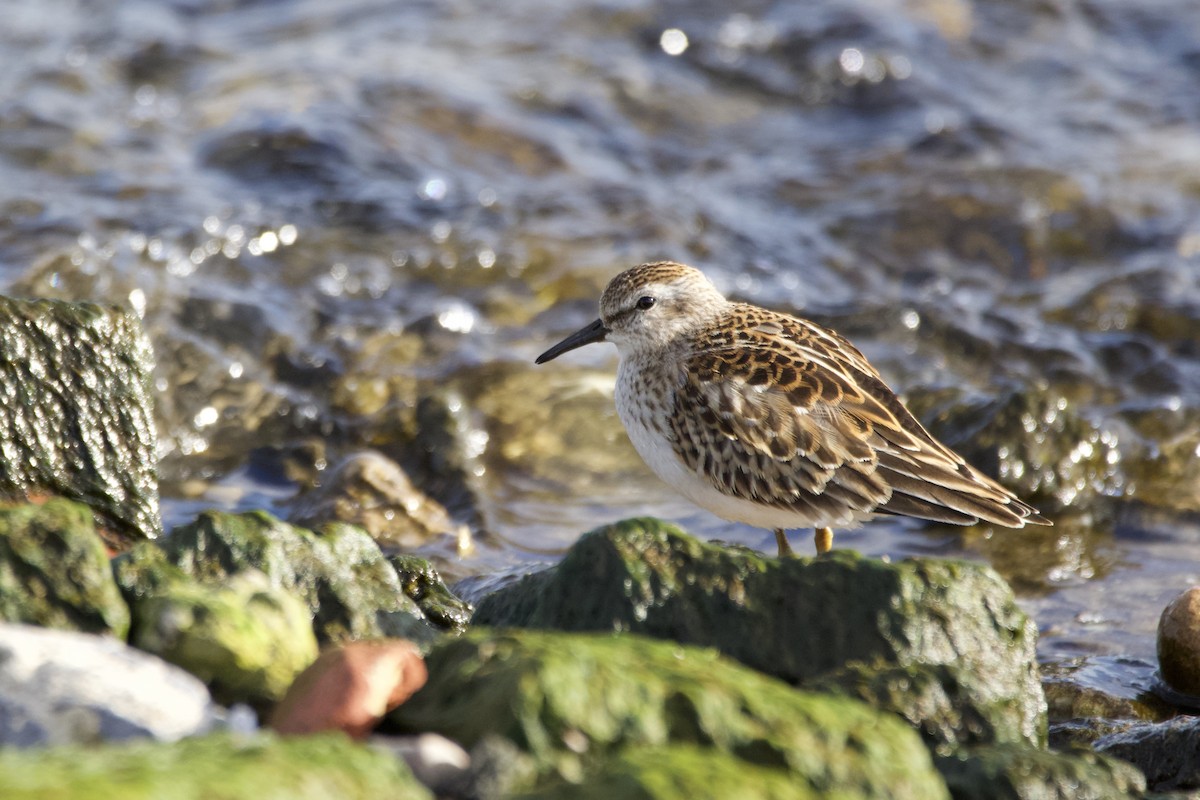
(327, 212)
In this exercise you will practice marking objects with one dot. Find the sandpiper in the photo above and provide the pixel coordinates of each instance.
(772, 420)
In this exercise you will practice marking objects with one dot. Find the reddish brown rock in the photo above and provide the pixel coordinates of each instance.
(350, 688)
(1179, 642)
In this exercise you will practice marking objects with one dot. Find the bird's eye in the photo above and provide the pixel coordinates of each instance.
(646, 302)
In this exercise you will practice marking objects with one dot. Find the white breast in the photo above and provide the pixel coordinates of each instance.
(645, 398)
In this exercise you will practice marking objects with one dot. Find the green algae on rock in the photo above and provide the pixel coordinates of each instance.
(341, 574)
(54, 571)
(681, 771)
(798, 619)
(76, 408)
(322, 767)
(572, 700)
(943, 702)
(1010, 772)
(244, 638)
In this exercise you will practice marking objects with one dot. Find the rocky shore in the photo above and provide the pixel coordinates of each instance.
(239, 655)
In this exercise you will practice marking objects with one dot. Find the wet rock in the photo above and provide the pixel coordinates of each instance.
(678, 771)
(243, 637)
(54, 570)
(798, 619)
(1084, 700)
(1167, 752)
(1179, 642)
(349, 587)
(76, 407)
(422, 583)
(572, 700)
(324, 767)
(372, 491)
(350, 688)
(60, 687)
(1004, 772)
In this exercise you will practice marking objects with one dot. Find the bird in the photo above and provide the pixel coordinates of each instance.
(772, 420)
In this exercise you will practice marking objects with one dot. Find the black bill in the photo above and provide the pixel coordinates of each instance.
(592, 333)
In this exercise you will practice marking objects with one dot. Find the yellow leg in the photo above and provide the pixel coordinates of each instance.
(785, 549)
(823, 538)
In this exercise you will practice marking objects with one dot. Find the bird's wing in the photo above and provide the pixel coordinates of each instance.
(781, 411)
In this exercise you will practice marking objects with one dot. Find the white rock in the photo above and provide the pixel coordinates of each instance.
(59, 687)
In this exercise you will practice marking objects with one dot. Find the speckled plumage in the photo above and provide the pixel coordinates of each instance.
(772, 420)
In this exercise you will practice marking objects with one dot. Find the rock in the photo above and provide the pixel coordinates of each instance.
(572, 700)
(349, 587)
(498, 769)
(143, 570)
(75, 405)
(61, 687)
(436, 761)
(1080, 711)
(372, 491)
(1167, 752)
(1039, 444)
(54, 570)
(243, 637)
(324, 767)
(1179, 642)
(350, 688)
(798, 619)
(680, 771)
(940, 700)
(999, 772)
(422, 583)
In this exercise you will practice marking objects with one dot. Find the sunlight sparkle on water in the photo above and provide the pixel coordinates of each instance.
(673, 41)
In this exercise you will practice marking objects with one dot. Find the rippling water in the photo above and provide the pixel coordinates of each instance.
(329, 214)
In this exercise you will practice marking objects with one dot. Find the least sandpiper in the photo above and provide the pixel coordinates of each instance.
(772, 420)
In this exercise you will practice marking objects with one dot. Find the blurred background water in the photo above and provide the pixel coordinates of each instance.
(353, 225)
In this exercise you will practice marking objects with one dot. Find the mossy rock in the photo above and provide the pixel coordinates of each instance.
(675, 772)
(244, 638)
(572, 700)
(54, 570)
(798, 619)
(349, 587)
(940, 700)
(324, 767)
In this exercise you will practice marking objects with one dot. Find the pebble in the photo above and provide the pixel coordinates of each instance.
(1179, 642)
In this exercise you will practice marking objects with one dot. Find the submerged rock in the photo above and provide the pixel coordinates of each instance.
(54, 570)
(799, 619)
(244, 638)
(1004, 772)
(327, 767)
(63, 687)
(75, 403)
(571, 701)
(371, 490)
